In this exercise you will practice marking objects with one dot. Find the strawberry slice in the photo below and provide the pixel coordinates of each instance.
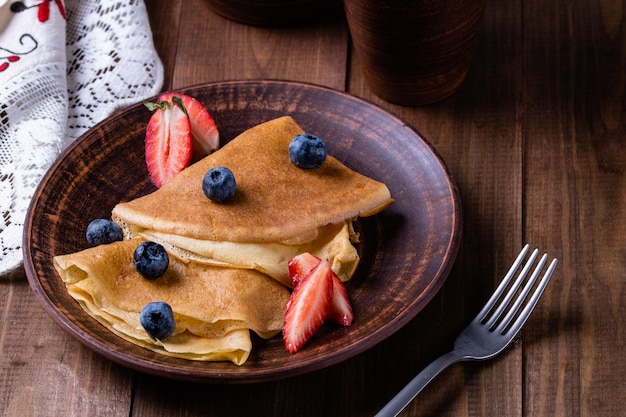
(300, 265)
(168, 141)
(204, 133)
(341, 310)
(308, 306)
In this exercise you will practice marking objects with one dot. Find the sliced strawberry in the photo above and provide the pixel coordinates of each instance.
(341, 310)
(168, 141)
(308, 306)
(300, 265)
(204, 132)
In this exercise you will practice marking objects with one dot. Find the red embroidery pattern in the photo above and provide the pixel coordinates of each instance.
(8, 56)
(43, 9)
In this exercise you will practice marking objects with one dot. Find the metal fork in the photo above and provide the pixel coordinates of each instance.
(491, 330)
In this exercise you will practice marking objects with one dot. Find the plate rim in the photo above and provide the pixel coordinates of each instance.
(259, 375)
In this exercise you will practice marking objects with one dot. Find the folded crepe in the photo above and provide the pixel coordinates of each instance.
(228, 271)
(214, 308)
(279, 210)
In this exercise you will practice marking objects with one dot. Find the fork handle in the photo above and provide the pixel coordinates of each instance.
(415, 386)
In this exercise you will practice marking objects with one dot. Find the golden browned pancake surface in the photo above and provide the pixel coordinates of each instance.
(275, 200)
(211, 305)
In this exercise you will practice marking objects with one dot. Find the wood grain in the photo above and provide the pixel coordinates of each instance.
(227, 50)
(535, 140)
(165, 21)
(481, 143)
(574, 131)
(45, 372)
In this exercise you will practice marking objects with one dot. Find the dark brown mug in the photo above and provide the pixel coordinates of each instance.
(273, 12)
(414, 52)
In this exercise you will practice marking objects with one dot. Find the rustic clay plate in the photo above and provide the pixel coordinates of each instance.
(407, 251)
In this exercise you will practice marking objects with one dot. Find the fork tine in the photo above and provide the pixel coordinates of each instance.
(517, 325)
(495, 316)
(477, 341)
(522, 296)
(505, 281)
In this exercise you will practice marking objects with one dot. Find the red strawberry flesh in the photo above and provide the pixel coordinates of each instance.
(341, 309)
(308, 306)
(205, 136)
(168, 142)
(300, 265)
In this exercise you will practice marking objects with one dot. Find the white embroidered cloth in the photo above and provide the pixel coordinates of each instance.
(64, 66)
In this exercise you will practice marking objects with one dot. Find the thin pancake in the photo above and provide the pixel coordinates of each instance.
(212, 305)
(333, 244)
(275, 200)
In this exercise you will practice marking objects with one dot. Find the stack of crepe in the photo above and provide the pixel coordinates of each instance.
(228, 273)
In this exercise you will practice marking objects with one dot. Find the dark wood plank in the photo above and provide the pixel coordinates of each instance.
(44, 371)
(302, 395)
(165, 20)
(535, 140)
(574, 127)
(478, 134)
(212, 48)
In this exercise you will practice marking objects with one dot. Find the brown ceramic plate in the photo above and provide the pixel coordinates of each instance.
(407, 251)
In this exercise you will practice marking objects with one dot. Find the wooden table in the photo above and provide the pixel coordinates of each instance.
(535, 139)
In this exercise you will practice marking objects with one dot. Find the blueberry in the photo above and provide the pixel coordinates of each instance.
(151, 260)
(219, 184)
(307, 151)
(103, 231)
(158, 319)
